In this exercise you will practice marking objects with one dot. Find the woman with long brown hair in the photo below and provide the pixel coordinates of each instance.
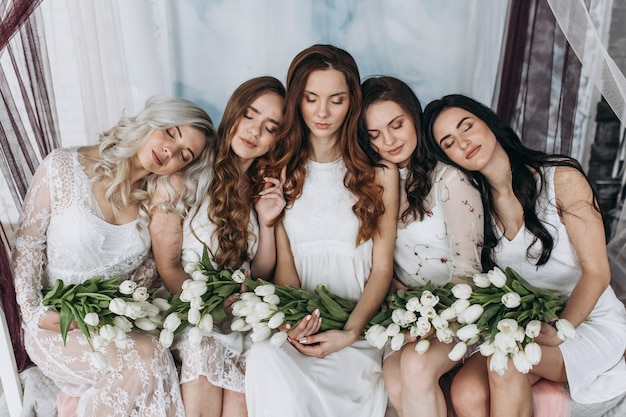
(338, 231)
(235, 221)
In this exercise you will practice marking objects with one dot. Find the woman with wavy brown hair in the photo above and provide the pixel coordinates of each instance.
(338, 231)
(235, 221)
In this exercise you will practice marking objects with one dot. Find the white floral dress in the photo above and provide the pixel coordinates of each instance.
(221, 356)
(62, 235)
(446, 243)
(322, 231)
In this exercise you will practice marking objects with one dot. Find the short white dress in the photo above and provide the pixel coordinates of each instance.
(446, 243)
(221, 355)
(62, 235)
(594, 361)
(281, 381)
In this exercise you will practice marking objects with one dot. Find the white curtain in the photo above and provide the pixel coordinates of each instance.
(126, 51)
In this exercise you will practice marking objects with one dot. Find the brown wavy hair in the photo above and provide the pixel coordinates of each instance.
(422, 163)
(292, 149)
(229, 208)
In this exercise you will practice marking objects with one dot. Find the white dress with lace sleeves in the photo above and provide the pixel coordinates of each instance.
(446, 243)
(62, 235)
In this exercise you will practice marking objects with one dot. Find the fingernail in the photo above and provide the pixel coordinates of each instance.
(307, 318)
(317, 312)
(302, 340)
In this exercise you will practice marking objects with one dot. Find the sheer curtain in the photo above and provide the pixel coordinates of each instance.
(588, 45)
(28, 130)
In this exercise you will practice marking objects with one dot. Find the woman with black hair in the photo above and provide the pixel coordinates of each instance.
(541, 219)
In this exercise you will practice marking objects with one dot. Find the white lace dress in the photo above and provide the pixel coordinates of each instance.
(62, 235)
(221, 355)
(446, 242)
(281, 381)
(594, 361)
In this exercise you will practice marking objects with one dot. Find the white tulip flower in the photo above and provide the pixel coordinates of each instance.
(467, 332)
(422, 346)
(122, 323)
(260, 332)
(190, 256)
(511, 299)
(134, 311)
(393, 329)
(499, 362)
(108, 332)
(127, 287)
(505, 342)
(565, 329)
(166, 338)
(250, 297)
(397, 342)
(195, 336)
(98, 342)
(161, 304)
(462, 291)
(487, 349)
(271, 299)
(263, 290)
(150, 309)
(533, 328)
(521, 362)
(460, 305)
(448, 314)
(91, 319)
(206, 324)
(413, 304)
(445, 335)
(199, 276)
(423, 326)
(172, 321)
(276, 320)
(429, 299)
(471, 314)
(278, 339)
(238, 324)
(376, 335)
(439, 322)
(145, 324)
(507, 325)
(98, 360)
(497, 277)
(481, 280)
(117, 306)
(458, 351)
(427, 311)
(238, 276)
(193, 316)
(196, 288)
(140, 294)
(533, 353)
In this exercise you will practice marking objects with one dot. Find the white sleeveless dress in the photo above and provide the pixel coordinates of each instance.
(221, 355)
(446, 242)
(594, 362)
(62, 235)
(281, 381)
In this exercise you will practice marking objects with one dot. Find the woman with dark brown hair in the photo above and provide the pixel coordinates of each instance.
(235, 221)
(338, 231)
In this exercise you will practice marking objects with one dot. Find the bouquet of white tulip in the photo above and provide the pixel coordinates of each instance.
(269, 306)
(104, 311)
(201, 301)
(417, 310)
(512, 317)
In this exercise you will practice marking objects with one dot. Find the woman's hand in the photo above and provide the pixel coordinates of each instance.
(271, 202)
(309, 325)
(51, 320)
(325, 343)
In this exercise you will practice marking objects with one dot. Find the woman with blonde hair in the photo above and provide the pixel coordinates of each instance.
(235, 219)
(86, 214)
(338, 231)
